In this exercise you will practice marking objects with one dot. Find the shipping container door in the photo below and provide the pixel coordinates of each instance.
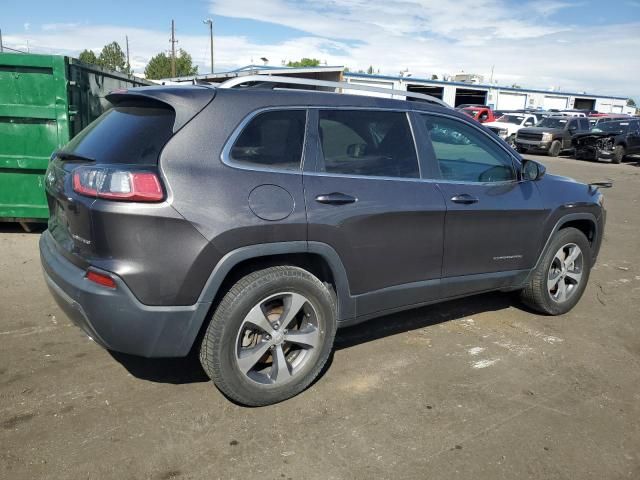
(33, 123)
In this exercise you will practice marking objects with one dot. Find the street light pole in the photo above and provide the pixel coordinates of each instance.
(209, 22)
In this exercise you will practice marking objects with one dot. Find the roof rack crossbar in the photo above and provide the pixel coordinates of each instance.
(337, 86)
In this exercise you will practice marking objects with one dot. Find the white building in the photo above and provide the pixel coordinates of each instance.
(453, 93)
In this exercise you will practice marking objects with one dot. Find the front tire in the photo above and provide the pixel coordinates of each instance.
(270, 336)
(618, 154)
(559, 280)
(554, 149)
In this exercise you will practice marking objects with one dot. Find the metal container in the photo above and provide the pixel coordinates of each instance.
(44, 101)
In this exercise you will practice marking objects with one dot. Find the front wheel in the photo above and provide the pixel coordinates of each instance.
(559, 279)
(270, 336)
(555, 148)
(618, 154)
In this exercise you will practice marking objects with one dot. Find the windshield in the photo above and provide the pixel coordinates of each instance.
(551, 122)
(515, 119)
(612, 127)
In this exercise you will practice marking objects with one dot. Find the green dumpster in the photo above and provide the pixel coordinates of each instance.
(44, 101)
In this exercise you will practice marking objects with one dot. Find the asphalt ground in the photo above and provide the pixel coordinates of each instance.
(478, 388)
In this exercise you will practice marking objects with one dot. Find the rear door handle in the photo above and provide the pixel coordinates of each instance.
(464, 198)
(335, 198)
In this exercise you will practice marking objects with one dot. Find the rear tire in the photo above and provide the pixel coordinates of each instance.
(558, 281)
(555, 148)
(618, 154)
(270, 336)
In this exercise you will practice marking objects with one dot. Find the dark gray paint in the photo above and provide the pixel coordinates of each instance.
(401, 244)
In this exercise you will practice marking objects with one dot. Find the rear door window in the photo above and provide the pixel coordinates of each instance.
(368, 143)
(125, 134)
(271, 140)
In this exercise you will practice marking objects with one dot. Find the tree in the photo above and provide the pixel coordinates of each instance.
(370, 70)
(631, 102)
(434, 77)
(160, 66)
(304, 62)
(112, 57)
(87, 56)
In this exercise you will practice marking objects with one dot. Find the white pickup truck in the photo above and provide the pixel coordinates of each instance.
(508, 125)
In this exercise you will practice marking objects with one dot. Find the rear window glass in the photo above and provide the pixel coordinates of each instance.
(126, 134)
(370, 143)
(272, 140)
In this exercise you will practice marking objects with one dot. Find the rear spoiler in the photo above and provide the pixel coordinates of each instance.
(186, 101)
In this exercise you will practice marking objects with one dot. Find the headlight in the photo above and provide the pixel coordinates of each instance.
(503, 132)
(547, 137)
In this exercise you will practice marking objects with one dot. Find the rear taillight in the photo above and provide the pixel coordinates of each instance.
(114, 184)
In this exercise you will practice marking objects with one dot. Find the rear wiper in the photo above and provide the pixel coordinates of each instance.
(73, 157)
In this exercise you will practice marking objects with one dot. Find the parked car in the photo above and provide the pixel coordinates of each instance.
(185, 218)
(610, 140)
(481, 114)
(508, 125)
(551, 134)
(594, 121)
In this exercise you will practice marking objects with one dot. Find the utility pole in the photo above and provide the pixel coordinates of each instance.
(1, 47)
(126, 38)
(210, 23)
(491, 79)
(173, 49)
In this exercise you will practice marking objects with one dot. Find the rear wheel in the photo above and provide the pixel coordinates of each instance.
(618, 154)
(554, 149)
(270, 336)
(560, 278)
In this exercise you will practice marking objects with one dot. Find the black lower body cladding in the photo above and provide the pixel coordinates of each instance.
(115, 318)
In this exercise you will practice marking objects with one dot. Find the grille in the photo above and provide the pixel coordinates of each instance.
(529, 136)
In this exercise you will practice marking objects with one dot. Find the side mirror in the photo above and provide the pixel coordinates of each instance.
(532, 170)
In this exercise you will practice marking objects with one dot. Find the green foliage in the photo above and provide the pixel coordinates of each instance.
(304, 62)
(434, 77)
(112, 57)
(631, 102)
(160, 66)
(370, 70)
(87, 56)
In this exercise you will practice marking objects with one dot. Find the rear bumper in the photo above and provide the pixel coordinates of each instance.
(115, 318)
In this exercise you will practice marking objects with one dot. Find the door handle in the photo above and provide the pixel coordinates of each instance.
(335, 198)
(465, 199)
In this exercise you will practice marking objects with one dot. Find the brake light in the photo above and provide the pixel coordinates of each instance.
(100, 279)
(114, 184)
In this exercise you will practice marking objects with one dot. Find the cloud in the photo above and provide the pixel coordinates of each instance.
(425, 36)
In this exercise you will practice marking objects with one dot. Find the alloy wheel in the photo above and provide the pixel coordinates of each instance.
(277, 338)
(565, 273)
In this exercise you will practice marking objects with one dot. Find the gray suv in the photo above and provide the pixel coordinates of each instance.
(251, 223)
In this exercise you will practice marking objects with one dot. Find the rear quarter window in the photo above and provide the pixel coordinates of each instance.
(125, 134)
(271, 140)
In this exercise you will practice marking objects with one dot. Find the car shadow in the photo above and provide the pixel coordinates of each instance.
(188, 369)
(15, 227)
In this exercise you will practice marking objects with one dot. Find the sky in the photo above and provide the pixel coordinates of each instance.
(588, 46)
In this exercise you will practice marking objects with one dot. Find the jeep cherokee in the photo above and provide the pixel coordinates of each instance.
(251, 223)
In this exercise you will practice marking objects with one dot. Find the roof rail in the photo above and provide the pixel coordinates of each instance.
(234, 82)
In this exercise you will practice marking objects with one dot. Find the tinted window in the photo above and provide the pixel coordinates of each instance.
(133, 135)
(272, 139)
(368, 143)
(584, 124)
(466, 154)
